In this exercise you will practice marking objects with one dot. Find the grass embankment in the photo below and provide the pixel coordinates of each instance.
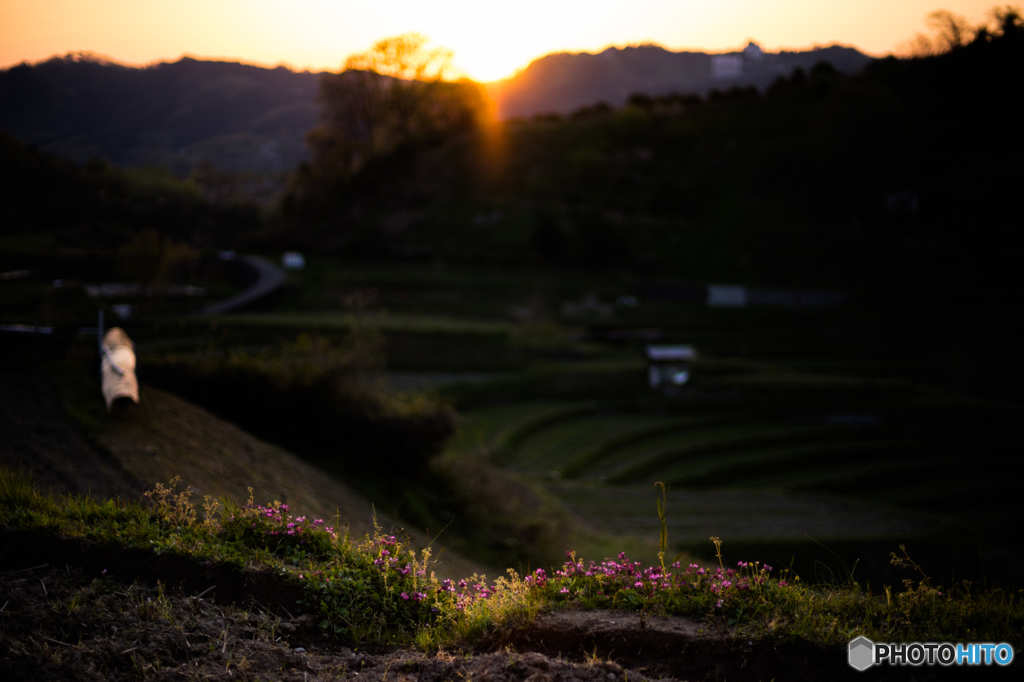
(378, 590)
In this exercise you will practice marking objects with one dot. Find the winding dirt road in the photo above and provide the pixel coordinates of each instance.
(270, 278)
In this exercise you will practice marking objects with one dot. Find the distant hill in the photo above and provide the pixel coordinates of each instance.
(235, 116)
(564, 82)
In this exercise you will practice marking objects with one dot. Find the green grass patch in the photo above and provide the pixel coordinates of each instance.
(510, 437)
(709, 444)
(643, 431)
(391, 323)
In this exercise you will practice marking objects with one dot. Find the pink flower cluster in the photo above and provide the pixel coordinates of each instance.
(272, 526)
(416, 597)
(387, 560)
(537, 579)
(623, 575)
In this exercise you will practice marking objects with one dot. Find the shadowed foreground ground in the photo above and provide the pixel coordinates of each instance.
(62, 622)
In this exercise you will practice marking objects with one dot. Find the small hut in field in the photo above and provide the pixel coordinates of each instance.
(668, 367)
(117, 368)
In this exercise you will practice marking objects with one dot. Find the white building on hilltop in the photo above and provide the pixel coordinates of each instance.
(753, 52)
(726, 65)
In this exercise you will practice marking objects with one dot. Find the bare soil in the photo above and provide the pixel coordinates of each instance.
(688, 649)
(61, 624)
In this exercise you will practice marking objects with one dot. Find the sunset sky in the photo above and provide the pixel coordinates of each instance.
(490, 39)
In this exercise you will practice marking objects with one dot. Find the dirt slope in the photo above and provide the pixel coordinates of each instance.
(36, 435)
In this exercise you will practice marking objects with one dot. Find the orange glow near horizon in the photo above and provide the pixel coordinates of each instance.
(490, 40)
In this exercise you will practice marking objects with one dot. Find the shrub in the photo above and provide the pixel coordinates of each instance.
(314, 397)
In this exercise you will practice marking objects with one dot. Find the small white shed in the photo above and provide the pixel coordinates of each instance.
(669, 366)
(293, 260)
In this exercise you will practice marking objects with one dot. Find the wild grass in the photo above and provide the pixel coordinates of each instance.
(379, 589)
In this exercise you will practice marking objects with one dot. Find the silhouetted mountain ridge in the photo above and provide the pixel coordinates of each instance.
(237, 116)
(241, 117)
(563, 82)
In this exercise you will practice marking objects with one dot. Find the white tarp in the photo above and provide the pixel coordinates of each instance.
(669, 353)
(117, 369)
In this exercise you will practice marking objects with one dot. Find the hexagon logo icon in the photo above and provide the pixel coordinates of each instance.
(862, 653)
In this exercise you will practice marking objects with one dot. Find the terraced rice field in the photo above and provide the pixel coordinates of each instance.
(736, 515)
(787, 457)
(583, 441)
